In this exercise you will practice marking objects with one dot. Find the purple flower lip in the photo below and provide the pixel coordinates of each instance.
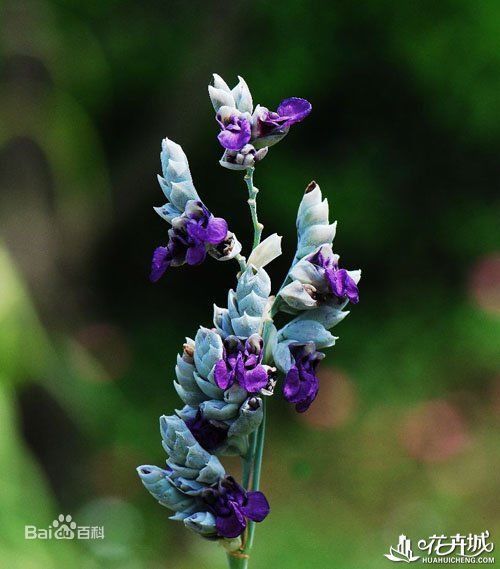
(235, 133)
(160, 263)
(293, 110)
(190, 236)
(301, 385)
(232, 505)
(340, 283)
(242, 363)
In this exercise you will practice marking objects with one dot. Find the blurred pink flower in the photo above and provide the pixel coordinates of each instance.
(434, 431)
(484, 283)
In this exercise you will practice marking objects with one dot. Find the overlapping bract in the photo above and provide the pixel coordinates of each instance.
(246, 305)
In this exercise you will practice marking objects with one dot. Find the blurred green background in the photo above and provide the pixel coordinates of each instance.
(404, 140)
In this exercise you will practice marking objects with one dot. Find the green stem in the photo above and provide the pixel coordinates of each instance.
(237, 562)
(241, 262)
(257, 468)
(252, 202)
(248, 461)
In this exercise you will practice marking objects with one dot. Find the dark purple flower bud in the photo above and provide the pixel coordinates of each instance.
(339, 281)
(232, 505)
(243, 158)
(192, 234)
(235, 133)
(242, 363)
(209, 433)
(301, 384)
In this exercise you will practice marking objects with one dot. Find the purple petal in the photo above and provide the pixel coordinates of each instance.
(352, 290)
(292, 384)
(216, 230)
(160, 263)
(221, 376)
(236, 492)
(294, 110)
(236, 134)
(307, 394)
(239, 369)
(251, 361)
(232, 525)
(319, 259)
(232, 360)
(303, 406)
(255, 379)
(257, 506)
(196, 254)
(303, 392)
(177, 246)
(336, 281)
(196, 231)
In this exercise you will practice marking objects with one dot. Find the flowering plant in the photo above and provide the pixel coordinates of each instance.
(225, 374)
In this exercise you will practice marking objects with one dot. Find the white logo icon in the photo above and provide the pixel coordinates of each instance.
(64, 527)
(402, 552)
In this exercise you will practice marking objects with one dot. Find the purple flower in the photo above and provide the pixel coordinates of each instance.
(242, 362)
(209, 433)
(202, 225)
(265, 127)
(276, 124)
(232, 505)
(191, 234)
(235, 133)
(339, 281)
(301, 384)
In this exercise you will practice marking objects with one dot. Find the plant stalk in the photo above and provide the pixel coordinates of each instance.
(252, 463)
(252, 202)
(257, 468)
(237, 562)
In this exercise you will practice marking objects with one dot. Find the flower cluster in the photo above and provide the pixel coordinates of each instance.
(195, 231)
(246, 133)
(221, 382)
(196, 487)
(225, 373)
(315, 291)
